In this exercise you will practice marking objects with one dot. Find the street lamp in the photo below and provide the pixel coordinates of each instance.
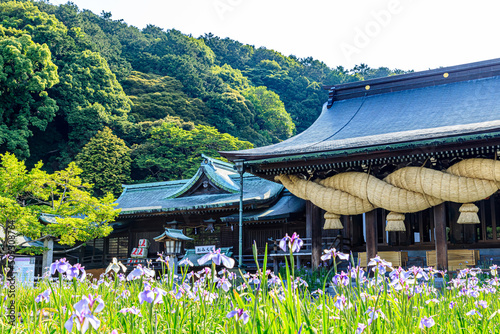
(239, 164)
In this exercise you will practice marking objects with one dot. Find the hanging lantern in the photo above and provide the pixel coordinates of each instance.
(210, 224)
(468, 214)
(332, 222)
(395, 222)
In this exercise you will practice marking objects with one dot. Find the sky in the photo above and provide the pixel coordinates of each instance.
(403, 34)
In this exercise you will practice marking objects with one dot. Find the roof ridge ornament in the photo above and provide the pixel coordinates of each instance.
(331, 96)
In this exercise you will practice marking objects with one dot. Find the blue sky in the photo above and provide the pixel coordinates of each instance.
(405, 34)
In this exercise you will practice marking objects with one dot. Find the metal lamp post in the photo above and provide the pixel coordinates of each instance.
(240, 167)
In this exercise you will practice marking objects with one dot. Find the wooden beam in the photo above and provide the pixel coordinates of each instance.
(371, 234)
(314, 223)
(440, 232)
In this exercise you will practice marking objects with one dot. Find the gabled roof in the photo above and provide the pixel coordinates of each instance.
(172, 234)
(181, 195)
(453, 104)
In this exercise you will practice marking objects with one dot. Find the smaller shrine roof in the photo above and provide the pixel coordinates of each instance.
(187, 195)
(171, 233)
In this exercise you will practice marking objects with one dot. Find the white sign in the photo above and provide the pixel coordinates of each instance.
(24, 269)
(204, 249)
(143, 243)
(139, 252)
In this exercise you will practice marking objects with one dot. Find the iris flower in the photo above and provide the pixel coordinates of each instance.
(239, 315)
(74, 272)
(332, 253)
(44, 296)
(131, 310)
(140, 271)
(426, 322)
(217, 258)
(60, 265)
(83, 316)
(152, 296)
(116, 266)
(294, 242)
(360, 329)
(186, 262)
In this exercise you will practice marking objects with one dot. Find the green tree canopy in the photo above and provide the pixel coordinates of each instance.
(90, 97)
(174, 153)
(105, 161)
(26, 73)
(270, 114)
(25, 194)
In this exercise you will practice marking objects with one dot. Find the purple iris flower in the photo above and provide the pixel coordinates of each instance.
(139, 271)
(481, 303)
(342, 303)
(151, 296)
(60, 265)
(186, 262)
(74, 272)
(83, 316)
(473, 312)
(239, 315)
(44, 296)
(217, 258)
(332, 253)
(294, 242)
(224, 284)
(452, 305)
(374, 314)
(131, 310)
(341, 279)
(426, 322)
(360, 329)
(377, 261)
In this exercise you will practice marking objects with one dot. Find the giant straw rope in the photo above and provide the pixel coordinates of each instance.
(409, 189)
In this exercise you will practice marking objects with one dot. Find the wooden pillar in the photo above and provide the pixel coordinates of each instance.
(313, 224)
(440, 233)
(371, 234)
(48, 255)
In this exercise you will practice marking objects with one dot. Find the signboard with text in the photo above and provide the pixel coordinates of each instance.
(24, 269)
(204, 249)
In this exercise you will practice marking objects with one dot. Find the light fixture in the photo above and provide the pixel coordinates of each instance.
(173, 240)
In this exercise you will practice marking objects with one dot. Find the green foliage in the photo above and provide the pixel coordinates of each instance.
(174, 153)
(270, 114)
(24, 195)
(26, 73)
(255, 94)
(105, 162)
(90, 97)
(155, 97)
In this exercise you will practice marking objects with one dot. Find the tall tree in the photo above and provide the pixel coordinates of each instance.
(172, 152)
(105, 161)
(90, 97)
(25, 194)
(26, 73)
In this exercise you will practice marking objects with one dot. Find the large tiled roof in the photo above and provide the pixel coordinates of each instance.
(445, 103)
(173, 196)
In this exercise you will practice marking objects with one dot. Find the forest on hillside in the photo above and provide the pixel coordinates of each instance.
(132, 105)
